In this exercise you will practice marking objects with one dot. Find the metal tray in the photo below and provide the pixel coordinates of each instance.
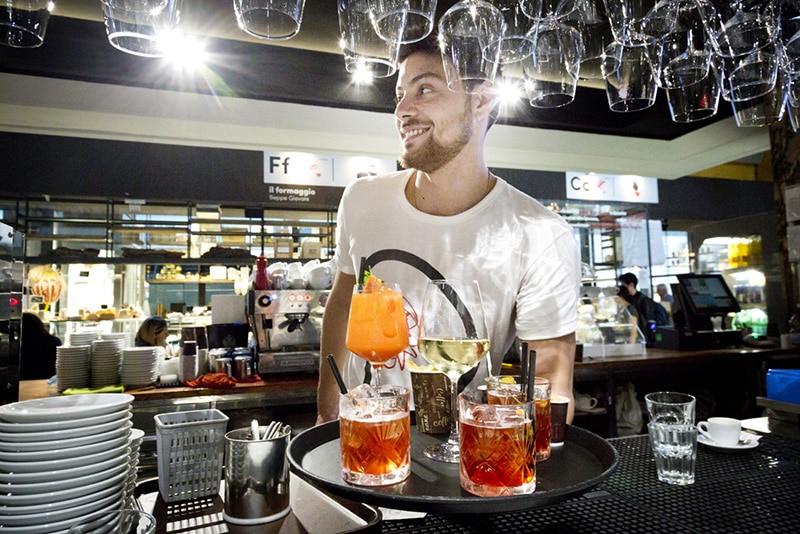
(582, 462)
(206, 513)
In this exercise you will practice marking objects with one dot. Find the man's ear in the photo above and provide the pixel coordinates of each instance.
(484, 100)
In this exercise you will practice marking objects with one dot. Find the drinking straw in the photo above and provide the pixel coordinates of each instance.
(336, 374)
(254, 429)
(531, 357)
(523, 371)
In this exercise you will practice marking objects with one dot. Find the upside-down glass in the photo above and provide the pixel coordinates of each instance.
(376, 327)
(641, 21)
(139, 27)
(516, 43)
(274, 20)
(764, 109)
(551, 72)
(633, 86)
(790, 33)
(466, 33)
(454, 339)
(548, 9)
(590, 20)
(737, 27)
(683, 56)
(406, 21)
(375, 435)
(497, 445)
(695, 101)
(23, 23)
(365, 53)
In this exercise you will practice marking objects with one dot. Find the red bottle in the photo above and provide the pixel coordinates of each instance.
(262, 276)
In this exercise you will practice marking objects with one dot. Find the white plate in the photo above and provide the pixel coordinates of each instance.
(748, 441)
(62, 474)
(58, 527)
(64, 429)
(53, 444)
(71, 493)
(64, 408)
(61, 515)
(60, 505)
(63, 463)
(63, 484)
(58, 453)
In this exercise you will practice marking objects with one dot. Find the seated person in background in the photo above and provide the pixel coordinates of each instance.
(152, 333)
(37, 349)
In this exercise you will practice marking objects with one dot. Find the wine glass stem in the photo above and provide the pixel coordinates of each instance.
(453, 439)
(376, 374)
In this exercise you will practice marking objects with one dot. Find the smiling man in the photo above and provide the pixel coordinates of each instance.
(448, 216)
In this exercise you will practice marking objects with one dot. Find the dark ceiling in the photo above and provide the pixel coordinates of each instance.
(306, 69)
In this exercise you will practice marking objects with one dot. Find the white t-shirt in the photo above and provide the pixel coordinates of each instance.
(524, 257)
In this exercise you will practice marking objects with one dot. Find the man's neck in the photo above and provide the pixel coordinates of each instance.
(451, 190)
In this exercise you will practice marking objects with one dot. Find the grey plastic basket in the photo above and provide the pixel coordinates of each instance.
(191, 450)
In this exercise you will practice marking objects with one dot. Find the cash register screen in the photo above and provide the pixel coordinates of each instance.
(707, 294)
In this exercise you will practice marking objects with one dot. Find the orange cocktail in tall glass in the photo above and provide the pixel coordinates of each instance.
(377, 329)
(375, 435)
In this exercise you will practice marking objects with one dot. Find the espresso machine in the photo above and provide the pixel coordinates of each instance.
(286, 327)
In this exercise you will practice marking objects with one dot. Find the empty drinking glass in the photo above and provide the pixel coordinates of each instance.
(683, 56)
(274, 20)
(23, 22)
(589, 18)
(406, 21)
(737, 27)
(633, 86)
(365, 53)
(694, 101)
(764, 109)
(641, 21)
(139, 26)
(516, 43)
(551, 72)
(466, 32)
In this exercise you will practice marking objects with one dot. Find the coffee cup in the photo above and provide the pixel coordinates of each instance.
(721, 430)
(584, 403)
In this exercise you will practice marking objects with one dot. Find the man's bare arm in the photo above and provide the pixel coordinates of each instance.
(555, 360)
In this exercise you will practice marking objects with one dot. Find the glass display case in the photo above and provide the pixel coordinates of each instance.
(606, 326)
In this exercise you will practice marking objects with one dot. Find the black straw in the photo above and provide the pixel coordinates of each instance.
(336, 374)
(523, 370)
(531, 357)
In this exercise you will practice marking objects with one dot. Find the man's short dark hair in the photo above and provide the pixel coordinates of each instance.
(429, 45)
(629, 278)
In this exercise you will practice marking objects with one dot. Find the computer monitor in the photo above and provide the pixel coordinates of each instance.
(703, 296)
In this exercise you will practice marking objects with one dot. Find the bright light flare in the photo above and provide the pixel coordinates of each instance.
(184, 51)
(362, 75)
(509, 91)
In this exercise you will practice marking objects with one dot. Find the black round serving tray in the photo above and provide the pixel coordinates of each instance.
(581, 463)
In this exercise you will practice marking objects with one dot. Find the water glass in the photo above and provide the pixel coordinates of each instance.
(683, 56)
(641, 21)
(669, 407)
(790, 33)
(468, 33)
(23, 23)
(748, 76)
(675, 450)
(548, 9)
(406, 21)
(633, 86)
(589, 19)
(695, 101)
(375, 435)
(139, 27)
(274, 20)
(737, 27)
(365, 53)
(487, 428)
(516, 42)
(551, 72)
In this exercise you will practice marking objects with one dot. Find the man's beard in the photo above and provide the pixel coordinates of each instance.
(434, 155)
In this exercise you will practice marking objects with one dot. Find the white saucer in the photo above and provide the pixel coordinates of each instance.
(747, 441)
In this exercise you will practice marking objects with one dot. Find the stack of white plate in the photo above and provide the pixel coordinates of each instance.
(134, 444)
(105, 362)
(72, 366)
(62, 458)
(123, 336)
(75, 339)
(139, 366)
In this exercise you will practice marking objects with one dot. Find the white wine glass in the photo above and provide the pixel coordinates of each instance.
(454, 339)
